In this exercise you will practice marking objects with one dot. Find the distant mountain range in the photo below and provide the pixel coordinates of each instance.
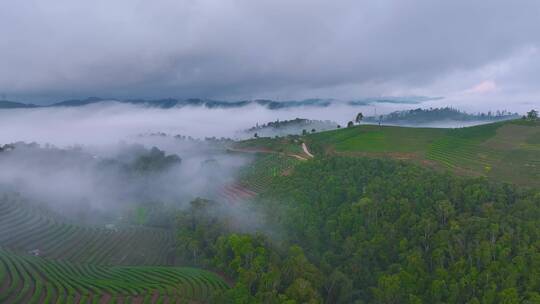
(4, 104)
(178, 103)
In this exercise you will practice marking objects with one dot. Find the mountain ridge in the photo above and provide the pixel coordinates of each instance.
(167, 103)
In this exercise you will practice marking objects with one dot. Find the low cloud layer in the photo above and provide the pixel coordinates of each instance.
(100, 183)
(109, 122)
(274, 49)
(83, 170)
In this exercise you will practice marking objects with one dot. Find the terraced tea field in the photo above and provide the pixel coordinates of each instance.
(235, 193)
(461, 154)
(29, 279)
(46, 260)
(463, 149)
(26, 228)
(258, 174)
(374, 139)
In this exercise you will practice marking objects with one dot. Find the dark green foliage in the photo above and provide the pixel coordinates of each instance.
(261, 272)
(263, 275)
(379, 231)
(532, 115)
(403, 234)
(198, 230)
(154, 160)
(359, 117)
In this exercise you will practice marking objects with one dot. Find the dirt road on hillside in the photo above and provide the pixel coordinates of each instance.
(304, 147)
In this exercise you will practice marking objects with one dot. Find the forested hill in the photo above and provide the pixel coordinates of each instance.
(419, 116)
(292, 126)
(359, 230)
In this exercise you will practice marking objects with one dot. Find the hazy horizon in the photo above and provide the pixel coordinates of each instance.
(238, 50)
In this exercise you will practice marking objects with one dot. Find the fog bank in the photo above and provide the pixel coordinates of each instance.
(110, 122)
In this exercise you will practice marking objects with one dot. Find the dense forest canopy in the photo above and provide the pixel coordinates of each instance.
(376, 231)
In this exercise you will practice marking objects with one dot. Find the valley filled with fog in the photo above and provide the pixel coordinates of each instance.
(76, 157)
(106, 123)
(109, 122)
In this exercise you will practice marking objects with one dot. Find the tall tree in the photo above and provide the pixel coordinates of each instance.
(532, 114)
(359, 117)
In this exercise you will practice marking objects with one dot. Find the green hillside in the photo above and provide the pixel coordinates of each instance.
(375, 139)
(505, 151)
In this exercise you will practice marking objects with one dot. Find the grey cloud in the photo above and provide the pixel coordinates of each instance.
(243, 49)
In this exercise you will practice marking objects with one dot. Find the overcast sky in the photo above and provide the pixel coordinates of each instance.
(469, 51)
